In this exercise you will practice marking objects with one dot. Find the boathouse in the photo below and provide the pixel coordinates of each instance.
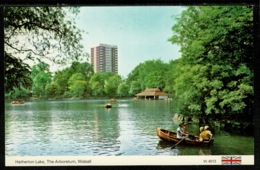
(152, 93)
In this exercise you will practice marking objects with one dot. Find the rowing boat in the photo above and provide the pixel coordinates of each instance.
(17, 102)
(108, 105)
(170, 136)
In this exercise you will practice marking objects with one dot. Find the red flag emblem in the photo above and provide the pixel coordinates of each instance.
(231, 160)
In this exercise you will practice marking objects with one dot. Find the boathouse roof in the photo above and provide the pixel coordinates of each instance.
(152, 92)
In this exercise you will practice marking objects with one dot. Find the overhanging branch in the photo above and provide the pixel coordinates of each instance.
(23, 50)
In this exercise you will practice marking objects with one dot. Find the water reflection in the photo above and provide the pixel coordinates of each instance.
(163, 144)
(103, 131)
(183, 150)
(205, 151)
(167, 147)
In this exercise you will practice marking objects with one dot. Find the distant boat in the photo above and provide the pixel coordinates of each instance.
(108, 105)
(112, 100)
(17, 102)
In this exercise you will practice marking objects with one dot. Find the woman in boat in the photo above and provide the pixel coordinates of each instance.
(180, 131)
(206, 134)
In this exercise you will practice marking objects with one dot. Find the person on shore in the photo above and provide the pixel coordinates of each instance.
(206, 134)
(181, 131)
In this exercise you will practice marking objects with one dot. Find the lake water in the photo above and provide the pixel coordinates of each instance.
(87, 128)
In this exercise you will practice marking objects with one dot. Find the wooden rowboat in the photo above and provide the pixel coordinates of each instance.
(17, 102)
(112, 100)
(170, 136)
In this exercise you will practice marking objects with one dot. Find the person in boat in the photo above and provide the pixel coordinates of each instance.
(108, 105)
(206, 134)
(181, 131)
(201, 129)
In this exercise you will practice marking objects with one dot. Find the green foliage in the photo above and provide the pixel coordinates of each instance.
(62, 77)
(20, 92)
(111, 85)
(123, 89)
(40, 67)
(150, 74)
(221, 34)
(44, 30)
(170, 75)
(77, 85)
(135, 87)
(83, 68)
(214, 77)
(51, 90)
(61, 80)
(97, 83)
(17, 74)
(37, 34)
(39, 83)
(41, 76)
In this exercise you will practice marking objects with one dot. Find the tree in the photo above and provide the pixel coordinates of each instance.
(135, 88)
(150, 74)
(40, 67)
(51, 90)
(18, 93)
(61, 81)
(62, 77)
(85, 68)
(17, 74)
(170, 75)
(215, 74)
(216, 34)
(39, 83)
(123, 89)
(111, 85)
(38, 33)
(77, 85)
(97, 83)
(41, 76)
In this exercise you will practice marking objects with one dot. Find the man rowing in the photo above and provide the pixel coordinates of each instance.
(181, 131)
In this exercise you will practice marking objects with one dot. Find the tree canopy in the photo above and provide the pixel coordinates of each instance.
(149, 74)
(215, 73)
(38, 34)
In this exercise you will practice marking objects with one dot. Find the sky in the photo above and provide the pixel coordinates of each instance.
(141, 33)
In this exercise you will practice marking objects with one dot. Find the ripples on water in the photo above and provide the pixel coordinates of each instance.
(86, 128)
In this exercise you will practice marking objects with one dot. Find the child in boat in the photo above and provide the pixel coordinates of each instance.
(206, 134)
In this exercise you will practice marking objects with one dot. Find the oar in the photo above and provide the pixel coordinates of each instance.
(177, 143)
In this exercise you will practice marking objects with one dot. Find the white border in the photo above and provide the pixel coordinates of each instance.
(119, 160)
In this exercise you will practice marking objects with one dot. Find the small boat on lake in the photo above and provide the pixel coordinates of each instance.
(108, 105)
(17, 102)
(112, 100)
(170, 136)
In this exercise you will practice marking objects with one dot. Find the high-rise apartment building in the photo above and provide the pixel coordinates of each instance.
(104, 58)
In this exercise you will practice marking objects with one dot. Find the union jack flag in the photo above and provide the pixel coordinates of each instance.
(231, 160)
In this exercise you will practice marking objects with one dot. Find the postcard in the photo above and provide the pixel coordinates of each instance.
(129, 85)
